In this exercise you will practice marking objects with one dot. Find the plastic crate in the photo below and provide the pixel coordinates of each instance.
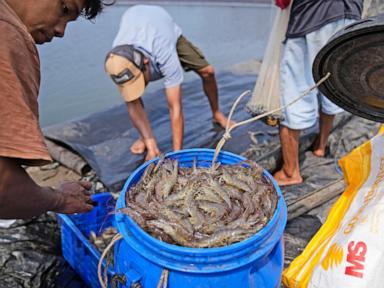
(75, 229)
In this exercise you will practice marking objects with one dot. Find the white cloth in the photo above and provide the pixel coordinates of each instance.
(6, 223)
(296, 77)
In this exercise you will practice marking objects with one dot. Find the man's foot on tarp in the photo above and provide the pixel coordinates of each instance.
(322, 153)
(220, 120)
(317, 151)
(138, 147)
(284, 180)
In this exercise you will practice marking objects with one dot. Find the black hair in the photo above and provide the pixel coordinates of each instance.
(94, 7)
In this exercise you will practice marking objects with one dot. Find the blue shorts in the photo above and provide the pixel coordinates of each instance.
(296, 77)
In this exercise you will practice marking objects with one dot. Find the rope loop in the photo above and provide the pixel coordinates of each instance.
(163, 282)
(227, 134)
(118, 279)
(103, 278)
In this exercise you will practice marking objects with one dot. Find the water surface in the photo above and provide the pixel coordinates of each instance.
(74, 83)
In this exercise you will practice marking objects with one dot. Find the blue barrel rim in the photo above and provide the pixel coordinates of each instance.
(153, 244)
(121, 200)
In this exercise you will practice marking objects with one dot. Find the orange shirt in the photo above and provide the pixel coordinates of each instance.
(20, 133)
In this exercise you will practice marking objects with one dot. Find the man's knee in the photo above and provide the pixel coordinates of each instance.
(207, 72)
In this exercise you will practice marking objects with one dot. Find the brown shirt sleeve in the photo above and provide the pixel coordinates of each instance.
(20, 133)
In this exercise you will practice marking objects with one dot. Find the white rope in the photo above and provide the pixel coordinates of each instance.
(104, 280)
(227, 134)
(163, 282)
(366, 8)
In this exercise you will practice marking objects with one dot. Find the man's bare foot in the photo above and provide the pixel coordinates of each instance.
(138, 147)
(152, 154)
(284, 180)
(152, 149)
(220, 119)
(318, 151)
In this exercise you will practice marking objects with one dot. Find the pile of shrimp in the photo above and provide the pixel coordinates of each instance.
(201, 207)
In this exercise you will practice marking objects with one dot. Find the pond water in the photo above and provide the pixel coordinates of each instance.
(73, 80)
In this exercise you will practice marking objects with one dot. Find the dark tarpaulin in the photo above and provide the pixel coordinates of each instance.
(29, 250)
(30, 253)
(255, 141)
(30, 256)
(103, 139)
(348, 133)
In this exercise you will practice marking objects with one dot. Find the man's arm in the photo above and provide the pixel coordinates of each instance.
(176, 115)
(140, 120)
(21, 197)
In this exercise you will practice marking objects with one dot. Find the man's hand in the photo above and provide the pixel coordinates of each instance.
(140, 120)
(152, 149)
(74, 198)
(282, 3)
(21, 197)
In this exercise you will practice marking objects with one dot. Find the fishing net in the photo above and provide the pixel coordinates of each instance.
(266, 94)
(373, 8)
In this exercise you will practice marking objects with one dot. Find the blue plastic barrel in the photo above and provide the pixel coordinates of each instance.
(254, 262)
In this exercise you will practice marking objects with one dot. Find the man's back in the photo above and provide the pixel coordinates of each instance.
(310, 15)
(142, 25)
(152, 31)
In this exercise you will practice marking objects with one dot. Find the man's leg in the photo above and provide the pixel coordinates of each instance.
(138, 147)
(140, 121)
(191, 58)
(293, 83)
(289, 173)
(316, 40)
(207, 75)
(326, 122)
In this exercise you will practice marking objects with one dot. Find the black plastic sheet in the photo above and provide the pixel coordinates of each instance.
(103, 139)
(348, 133)
(30, 250)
